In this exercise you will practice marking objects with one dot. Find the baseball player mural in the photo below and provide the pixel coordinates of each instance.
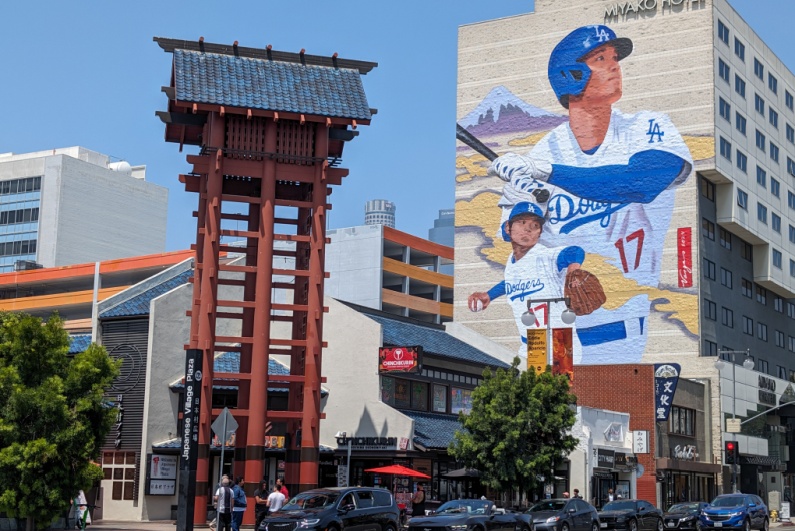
(603, 182)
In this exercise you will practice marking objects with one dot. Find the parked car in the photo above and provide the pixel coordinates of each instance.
(736, 511)
(633, 515)
(337, 509)
(463, 515)
(563, 514)
(683, 515)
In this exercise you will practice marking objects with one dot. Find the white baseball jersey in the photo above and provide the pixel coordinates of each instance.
(630, 234)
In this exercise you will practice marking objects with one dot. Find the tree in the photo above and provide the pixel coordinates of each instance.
(518, 428)
(53, 417)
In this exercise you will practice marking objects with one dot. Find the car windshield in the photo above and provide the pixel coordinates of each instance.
(550, 505)
(683, 507)
(619, 506)
(463, 506)
(728, 501)
(311, 500)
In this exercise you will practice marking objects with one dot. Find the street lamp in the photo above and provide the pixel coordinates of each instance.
(748, 363)
(568, 317)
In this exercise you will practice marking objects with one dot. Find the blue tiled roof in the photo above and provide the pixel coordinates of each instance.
(79, 343)
(271, 85)
(433, 430)
(433, 340)
(139, 305)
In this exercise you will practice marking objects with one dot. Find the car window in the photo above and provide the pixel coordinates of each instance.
(551, 505)
(728, 501)
(347, 500)
(365, 499)
(382, 498)
(579, 506)
(619, 506)
(647, 506)
(757, 500)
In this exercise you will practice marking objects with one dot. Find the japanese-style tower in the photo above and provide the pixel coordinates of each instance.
(270, 128)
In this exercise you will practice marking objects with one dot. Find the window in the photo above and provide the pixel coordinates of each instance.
(761, 331)
(772, 117)
(792, 234)
(761, 213)
(774, 152)
(748, 326)
(682, 421)
(775, 222)
(708, 229)
(761, 365)
(710, 348)
(739, 122)
(746, 288)
(709, 269)
(791, 341)
(792, 268)
(759, 69)
(790, 165)
(760, 141)
(727, 317)
(759, 104)
(723, 70)
(419, 396)
(120, 468)
(739, 84)
(708, 189)
(742, 161)
(776, 258)
(761, 295)
(723, 32)
(746, 251)
(791, 199)
(726, 278)
(778, 304)
(761, 174)
(779, 338)
(725, 110)
(725, 149)
(790, 134)
(791, 310)
(739, 49)
(781, 372)
(725, 238)
(775, 187)
(788, 100)
(772, 83)
(710, 310)
(742, 199)
(439, 402)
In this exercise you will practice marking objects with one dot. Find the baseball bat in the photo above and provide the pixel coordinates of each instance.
(541, 195)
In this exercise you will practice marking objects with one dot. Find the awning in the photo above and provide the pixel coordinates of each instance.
(774, 463)
(666, 463)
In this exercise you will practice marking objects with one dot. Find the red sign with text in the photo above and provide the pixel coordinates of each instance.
(684, 251)
(399, 359)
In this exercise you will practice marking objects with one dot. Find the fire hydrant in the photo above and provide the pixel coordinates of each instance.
(773, 515)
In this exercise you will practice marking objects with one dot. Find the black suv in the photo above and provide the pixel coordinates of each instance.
(336, 509)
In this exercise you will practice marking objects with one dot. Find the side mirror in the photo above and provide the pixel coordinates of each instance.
(572, 510)
(752, 504)
(642, 508)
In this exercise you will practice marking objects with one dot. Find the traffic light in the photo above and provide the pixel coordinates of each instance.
(732, 452)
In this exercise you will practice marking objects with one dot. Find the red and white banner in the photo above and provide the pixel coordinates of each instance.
(399, 359)
(684, 252)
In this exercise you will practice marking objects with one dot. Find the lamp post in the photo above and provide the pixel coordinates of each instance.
(748, 363)
(568, 317)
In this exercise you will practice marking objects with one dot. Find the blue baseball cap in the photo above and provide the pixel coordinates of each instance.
(520, 209)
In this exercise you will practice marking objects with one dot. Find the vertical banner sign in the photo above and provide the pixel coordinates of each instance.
(537, 349)
(189, 447)
(562, 352)
(666, 376)
(684, 251)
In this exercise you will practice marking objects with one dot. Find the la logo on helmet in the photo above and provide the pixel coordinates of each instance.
(601, 34)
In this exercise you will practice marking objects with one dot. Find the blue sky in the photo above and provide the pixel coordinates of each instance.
(88, 73)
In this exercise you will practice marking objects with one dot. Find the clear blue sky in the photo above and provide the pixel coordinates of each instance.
(88, 73)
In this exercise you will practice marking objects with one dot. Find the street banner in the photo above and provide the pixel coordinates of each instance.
(666, 376)
(537, 349)
(562, 352)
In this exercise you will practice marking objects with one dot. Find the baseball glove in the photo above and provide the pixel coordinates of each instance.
(584, 291)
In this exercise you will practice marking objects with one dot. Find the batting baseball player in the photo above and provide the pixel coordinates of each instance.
(532, 271)
(611, 178)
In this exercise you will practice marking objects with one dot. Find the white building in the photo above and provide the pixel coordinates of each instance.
(72, 205)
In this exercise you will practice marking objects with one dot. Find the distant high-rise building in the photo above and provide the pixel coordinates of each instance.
(380, 212)
(443, 230)
(68, 206)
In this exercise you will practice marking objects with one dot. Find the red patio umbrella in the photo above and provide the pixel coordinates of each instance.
(399, 470)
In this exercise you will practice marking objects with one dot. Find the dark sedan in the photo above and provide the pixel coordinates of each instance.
(463, 515)
(683, 515)
(563, 515)
(633, 515)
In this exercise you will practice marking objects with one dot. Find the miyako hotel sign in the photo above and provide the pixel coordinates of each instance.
(619, 11)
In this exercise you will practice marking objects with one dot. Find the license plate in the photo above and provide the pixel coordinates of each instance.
(718, 524)
(671, 524)
(603, 525)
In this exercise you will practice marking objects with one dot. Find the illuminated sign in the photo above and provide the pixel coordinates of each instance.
(399, 359)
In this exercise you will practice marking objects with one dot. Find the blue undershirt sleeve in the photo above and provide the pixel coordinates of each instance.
(640, 181)
(570, 255)
(497, 291)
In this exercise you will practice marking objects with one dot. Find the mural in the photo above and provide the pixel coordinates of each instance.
(588, 186)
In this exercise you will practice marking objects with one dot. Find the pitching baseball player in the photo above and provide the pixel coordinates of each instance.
(611, 178)
(532, 272)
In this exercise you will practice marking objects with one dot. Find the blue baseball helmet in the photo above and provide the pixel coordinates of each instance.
(519, 209)
(568, 74)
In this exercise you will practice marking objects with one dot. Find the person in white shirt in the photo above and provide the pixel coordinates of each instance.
(275, 500)
(225, 501)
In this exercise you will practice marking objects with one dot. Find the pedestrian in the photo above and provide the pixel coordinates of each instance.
(610, 495)
(82, 516)
(240, 503)
(282, 488)
(566, 495)
(261, 503)
(577, 494)
(275, 499)
(418, 501)
(224, 501)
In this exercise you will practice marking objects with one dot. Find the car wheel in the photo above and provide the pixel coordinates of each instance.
(564, 527)
(766, 525)
(389, 527)
(659, 524)
(594, 526)
(633, 525)
(747, 525)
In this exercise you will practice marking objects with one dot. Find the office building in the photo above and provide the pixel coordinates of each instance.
(380, 212)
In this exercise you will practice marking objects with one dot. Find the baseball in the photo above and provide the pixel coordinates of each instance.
(476, 305)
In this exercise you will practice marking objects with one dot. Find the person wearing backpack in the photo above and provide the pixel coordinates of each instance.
(239, 509)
